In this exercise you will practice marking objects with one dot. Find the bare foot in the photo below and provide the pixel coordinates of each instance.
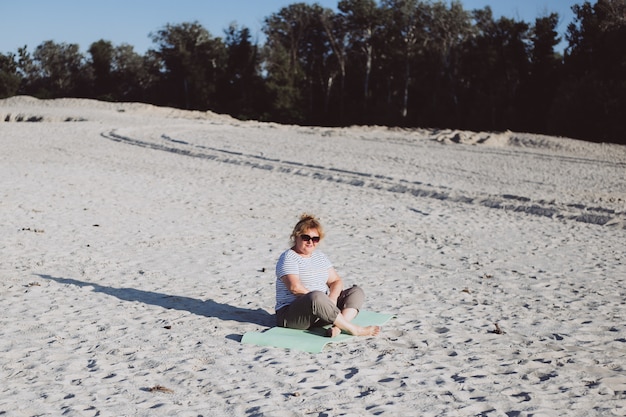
(343, 324)
(333, 331)
(367, 331)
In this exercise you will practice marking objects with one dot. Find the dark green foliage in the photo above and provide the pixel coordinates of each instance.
(9, 77)
(192, 64)
(241, 91)
(55, 70)
(102, 66)
(591, 99)
(538, 92)
(297, 61)
(409, 63)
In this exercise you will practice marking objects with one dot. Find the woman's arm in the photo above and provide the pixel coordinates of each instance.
(335, 285)
(293, 284)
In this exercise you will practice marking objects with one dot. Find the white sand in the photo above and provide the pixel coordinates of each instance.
(139, 243)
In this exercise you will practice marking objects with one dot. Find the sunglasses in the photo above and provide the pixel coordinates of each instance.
(306, 238)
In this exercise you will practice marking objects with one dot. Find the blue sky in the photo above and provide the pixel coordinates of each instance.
(31, 22)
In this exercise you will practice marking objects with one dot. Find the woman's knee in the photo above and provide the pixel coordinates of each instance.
(317, 296)
(354, 297)
(356, 292)
(323, 307)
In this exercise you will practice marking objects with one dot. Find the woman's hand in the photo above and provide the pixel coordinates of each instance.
(293, 284)
(335, 285)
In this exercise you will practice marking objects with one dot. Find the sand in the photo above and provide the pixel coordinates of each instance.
(139, 244)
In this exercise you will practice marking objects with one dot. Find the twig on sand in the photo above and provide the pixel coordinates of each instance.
(160, 388)
(498, 330)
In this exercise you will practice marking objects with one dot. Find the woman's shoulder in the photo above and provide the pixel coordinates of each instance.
(288, 254)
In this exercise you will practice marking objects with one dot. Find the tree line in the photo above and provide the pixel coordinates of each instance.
(405, 63)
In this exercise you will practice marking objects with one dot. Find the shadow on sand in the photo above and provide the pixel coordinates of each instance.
(207, 308)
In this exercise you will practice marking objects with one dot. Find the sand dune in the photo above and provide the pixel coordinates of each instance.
(139, 244)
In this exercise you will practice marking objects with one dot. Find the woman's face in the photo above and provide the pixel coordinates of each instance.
(307, 242)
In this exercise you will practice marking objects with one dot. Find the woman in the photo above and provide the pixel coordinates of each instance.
(309, 293)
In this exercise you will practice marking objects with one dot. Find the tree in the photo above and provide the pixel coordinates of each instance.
(27, 69)
(102, 63)
(407, 39)
(119, 72)
(131, 78)
(152, 79)
(9, 77)
(448, 29)
(241, 90)
(336, 32)
(362, 19)
(295, 54)
(545, 73)
(320, 64)
(191, 59)
(497, 62)
(60, 71)
(591, 101)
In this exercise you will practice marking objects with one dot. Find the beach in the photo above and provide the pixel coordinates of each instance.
(139, 244)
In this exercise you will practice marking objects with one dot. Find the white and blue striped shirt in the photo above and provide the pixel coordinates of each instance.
(313, 273)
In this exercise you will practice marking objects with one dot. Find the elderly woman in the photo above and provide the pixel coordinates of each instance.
(309, 293)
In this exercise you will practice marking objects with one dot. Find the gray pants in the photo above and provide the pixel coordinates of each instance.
(316, 309)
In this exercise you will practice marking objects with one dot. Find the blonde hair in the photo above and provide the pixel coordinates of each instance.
(307, 222)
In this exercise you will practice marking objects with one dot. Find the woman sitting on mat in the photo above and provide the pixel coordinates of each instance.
(309, 293)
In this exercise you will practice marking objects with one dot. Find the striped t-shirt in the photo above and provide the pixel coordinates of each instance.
(313, 273)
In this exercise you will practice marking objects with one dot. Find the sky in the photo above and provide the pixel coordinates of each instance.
(32, 22)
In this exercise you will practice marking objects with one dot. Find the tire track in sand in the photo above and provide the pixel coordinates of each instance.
(572, 212)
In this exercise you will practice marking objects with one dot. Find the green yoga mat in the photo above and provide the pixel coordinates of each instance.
(312, 340)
